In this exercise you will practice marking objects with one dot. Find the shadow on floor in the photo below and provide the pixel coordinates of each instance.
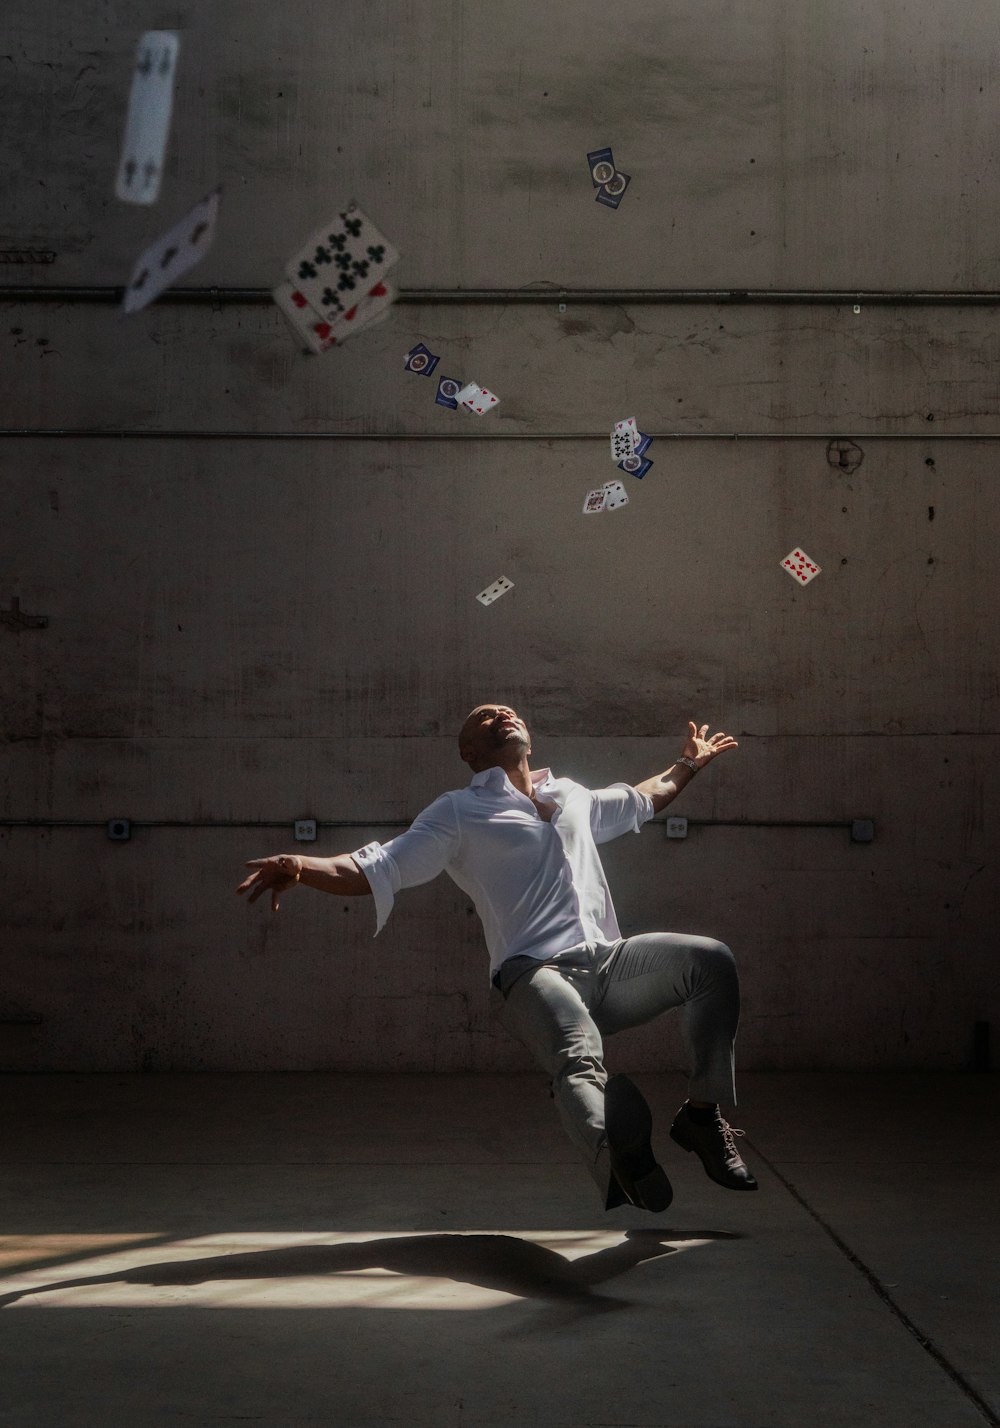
(501, 1262)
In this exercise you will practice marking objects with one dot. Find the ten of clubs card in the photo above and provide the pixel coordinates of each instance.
(340, 262)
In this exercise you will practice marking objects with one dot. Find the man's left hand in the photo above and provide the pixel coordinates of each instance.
(702, 749)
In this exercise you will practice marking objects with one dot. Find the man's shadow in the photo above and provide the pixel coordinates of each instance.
(502, 1262)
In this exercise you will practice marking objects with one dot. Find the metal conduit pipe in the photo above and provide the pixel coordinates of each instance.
(536, 296)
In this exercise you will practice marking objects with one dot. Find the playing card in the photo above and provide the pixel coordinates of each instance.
(612, 192)
(616, 495)
(621, 445)
(474, 398)
(340, 261)
(635, 465)
(447, 392)
(643, 442)
(371, 308)
(627, 425)
(147, 122)
(595, 502)
(602, 166)
(494, 591)
(307, 324)
(800, 567)
(420, 359)
(173, 255)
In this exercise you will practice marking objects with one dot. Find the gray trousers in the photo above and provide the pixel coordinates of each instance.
(563, 1008)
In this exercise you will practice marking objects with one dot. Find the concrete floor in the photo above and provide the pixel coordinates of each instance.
(371, 1250)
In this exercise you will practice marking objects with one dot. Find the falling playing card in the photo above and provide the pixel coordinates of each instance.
(340, 261)
(307, 324)
(602, 166)
(173, 255)
(371, 308)
(643, 442)
(595, 502)
(612, 192)
(474, 398)
(616, 495)
(494, 591)
(147, 123)
(622, 445)
(800, 567)
(447, 392)
(635, 465)
(420, 359)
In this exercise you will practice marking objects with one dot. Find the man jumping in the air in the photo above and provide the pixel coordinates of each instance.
(523, 845)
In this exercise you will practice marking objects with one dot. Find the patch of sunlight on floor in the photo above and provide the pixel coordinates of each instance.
(395, 1269)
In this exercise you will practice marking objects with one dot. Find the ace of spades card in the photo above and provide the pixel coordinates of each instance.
(171, 256)
(341, 262)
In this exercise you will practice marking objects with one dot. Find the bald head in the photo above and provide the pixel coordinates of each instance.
(493, 735)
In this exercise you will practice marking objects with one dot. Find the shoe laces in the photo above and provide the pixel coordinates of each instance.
(727, 1131)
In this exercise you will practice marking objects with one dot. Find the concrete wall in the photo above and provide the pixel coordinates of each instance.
(260, 597)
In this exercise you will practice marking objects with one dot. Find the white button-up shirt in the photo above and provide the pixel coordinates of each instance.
(538, 886)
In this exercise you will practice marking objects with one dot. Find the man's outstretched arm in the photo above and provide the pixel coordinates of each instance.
(339, 874)
(699, 750)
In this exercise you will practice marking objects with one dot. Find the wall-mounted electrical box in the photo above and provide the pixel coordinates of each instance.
(677, 827)
(119, 829)
(305, 830)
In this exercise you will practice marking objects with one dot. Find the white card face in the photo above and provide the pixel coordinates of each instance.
(595, 502)
(478, 400)
(622, 446)
(624, 439)
(147, 123)
(800, 567)
(309, 326)
(341, 261)
(173, 255)
(616, 495)
(494, 591)
(372, 308)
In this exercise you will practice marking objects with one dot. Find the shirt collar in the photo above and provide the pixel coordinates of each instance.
(495, 778)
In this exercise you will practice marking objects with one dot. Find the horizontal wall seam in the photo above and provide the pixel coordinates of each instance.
(104, 294)
(388, 823)
(126, 434)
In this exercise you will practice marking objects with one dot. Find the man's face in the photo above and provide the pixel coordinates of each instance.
(490, 734)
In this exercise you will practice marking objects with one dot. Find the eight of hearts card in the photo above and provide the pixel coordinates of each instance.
(341, 261)
(173, 255)
(800, 567)
(494, 591)
(147, 123)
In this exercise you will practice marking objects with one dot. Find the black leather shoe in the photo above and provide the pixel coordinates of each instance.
(715, 1145)
(629, 1124)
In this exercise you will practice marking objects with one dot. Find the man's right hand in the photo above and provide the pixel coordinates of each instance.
(274, 875)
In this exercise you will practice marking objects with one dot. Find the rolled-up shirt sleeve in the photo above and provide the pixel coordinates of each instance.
(416, 856)
(618, 809)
